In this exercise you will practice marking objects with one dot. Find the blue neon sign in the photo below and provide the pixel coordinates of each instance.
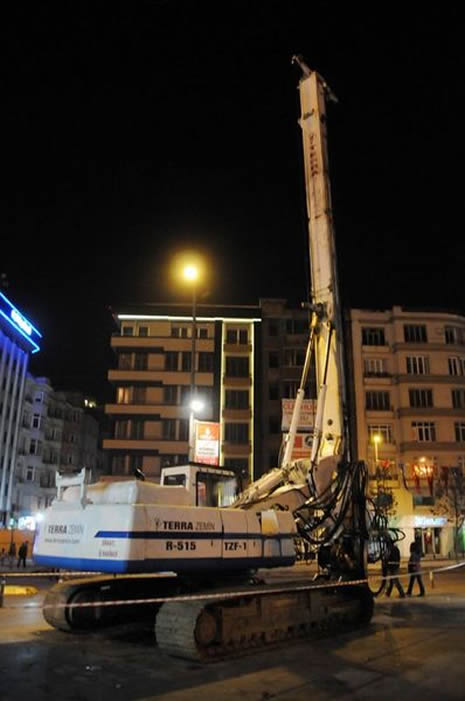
(19, 322)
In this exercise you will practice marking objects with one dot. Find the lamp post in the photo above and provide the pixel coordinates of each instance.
(191, 273)
(376, 440)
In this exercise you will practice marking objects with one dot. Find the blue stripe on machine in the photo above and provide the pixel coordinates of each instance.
(161, 565)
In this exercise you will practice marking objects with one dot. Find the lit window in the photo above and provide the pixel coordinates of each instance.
(424, 431)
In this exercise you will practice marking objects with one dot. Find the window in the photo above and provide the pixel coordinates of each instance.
(143, 330)
(460, 431)
(290, 388)
(458, 398)
(137, 429)
(206, 394)
(414, 333)
(171, 360)
(186, 361)
(237, 367)
(273, 359)
(237, 336)
(39, 397)
(118, 465)
(124, 361)
(297, 326)
(169, 429)
(36, 421)
(128, 330)
(123, 395)
(456, 365)
(170, 394)
(275, 424)
(273, 392)
(122, 429)
(373, 336)
(141, 361)
(273, 328)
(294, 357)
(374, 367)
(35, 447)
(29, 474)
(139, 395)
(239, 465)
(417, 365)
(377, 401)
(185, 394)
(202, 332)
(454, 335)
(205, 362)
(420, 398)
(383, 430)
(236, 433)
(424, 431)
(183, 429)
(181, 331)
(237, 399)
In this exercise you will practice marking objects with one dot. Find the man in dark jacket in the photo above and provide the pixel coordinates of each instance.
(414, 567)
(22, 554)
(393, 566)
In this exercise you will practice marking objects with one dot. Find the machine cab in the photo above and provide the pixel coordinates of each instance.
(207, 486)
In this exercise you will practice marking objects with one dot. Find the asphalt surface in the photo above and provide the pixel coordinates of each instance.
(413, 648)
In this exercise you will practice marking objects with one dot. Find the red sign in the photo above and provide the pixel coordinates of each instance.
(207, 441)
(302, 446)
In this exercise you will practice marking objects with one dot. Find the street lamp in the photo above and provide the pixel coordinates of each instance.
(376, 440)
(191, 273)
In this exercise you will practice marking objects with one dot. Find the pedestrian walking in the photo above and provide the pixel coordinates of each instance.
(414, 567)
(393, 567)
(12, 553)
(22, 554)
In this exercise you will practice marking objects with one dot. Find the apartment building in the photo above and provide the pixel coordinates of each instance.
(408, 380)
(57, 433)
(283, 344)
(154, 380)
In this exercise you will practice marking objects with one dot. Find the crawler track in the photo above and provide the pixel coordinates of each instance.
(204, 631)
(59, 614)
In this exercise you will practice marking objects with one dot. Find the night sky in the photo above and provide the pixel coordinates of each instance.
(133, 130)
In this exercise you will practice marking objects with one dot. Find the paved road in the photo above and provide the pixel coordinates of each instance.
(414, 648)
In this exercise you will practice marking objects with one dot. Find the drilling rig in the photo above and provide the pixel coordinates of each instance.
(136, 532)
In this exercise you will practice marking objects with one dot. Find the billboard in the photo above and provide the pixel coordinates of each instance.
(207, 441)
(307, 414)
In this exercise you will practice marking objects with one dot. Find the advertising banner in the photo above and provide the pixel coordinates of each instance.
(302, 446)
(207, 441)
(307, 414)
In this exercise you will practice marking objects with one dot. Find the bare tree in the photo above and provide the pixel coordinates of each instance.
(449, 491)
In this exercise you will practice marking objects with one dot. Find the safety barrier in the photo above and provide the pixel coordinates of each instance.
(253, 591)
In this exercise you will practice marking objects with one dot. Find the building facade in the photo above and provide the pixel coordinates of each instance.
(57, 433)
(158, 370)
(408, 381)
(18, 340)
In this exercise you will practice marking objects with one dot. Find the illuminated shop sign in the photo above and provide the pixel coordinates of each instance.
(19, 322)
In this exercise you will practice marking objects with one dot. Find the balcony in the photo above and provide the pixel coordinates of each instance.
(237, 348)
(153, 411)
(237, 414)
(233, 381)
(158, 445)
(236, 449)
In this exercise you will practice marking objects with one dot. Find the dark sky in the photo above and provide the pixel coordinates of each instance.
(133, 130)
